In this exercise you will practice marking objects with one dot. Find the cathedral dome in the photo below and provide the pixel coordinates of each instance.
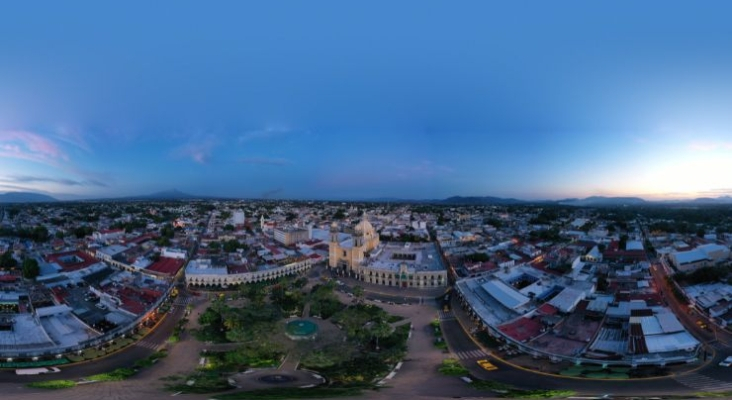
(364, 227)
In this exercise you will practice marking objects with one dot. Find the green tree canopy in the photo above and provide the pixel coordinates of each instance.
(30, 268)
(7, 261)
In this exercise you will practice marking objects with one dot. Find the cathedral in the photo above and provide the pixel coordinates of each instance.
(348, 249)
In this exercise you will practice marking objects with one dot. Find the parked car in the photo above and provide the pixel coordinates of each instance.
(726, 362)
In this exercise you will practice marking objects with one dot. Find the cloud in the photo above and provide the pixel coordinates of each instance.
(717, 192)
(198, 151)
(266, 161)
(20, 179)
(710, 146)
(18, 188)
(73, 136)
(266, 133)
(30, 146)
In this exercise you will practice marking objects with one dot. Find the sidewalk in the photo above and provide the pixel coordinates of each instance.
(410, 293)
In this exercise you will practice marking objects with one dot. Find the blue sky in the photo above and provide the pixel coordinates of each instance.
(360, 100)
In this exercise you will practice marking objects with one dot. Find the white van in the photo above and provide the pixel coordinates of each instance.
(37, 371)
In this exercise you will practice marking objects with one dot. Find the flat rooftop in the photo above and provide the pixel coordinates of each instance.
(24, 334)
(204, 267)
(420, 257)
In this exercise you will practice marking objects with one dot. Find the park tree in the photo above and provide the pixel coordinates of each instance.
(358, 293)
(255, 293)
(380, 329)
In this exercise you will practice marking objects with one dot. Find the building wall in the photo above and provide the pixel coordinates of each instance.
(421, 279)
(248, 277)
(290, 237)
(174, 253)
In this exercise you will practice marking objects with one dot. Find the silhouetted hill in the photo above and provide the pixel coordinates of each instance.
(713, 200)
(26, 197)
(478, 200)
(173, 194)
(605, 201)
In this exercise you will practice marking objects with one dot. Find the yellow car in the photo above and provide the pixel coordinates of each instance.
(487, 365)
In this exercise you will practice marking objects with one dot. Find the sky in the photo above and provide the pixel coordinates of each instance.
(360, 100)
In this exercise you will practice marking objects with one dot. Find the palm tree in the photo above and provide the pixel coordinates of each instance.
(358, 293)
(380, 329)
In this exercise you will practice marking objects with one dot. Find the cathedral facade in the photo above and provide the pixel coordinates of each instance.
(347, 249)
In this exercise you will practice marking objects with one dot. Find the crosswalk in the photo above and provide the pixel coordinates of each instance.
(445, 315)
(702, 382)
(468, 354)
(147, 344)
(183, 301)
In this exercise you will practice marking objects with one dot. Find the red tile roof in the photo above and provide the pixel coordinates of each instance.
(63, 259)
(168, 266)
(521, 330)
(107, 231)
(547, 309)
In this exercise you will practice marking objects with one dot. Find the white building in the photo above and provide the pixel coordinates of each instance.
(202, 273)
(109, 235)
(238, 218)
(702, 256)
(170, 252)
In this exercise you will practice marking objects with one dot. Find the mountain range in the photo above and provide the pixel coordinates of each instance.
(592, 201)
(25, 197)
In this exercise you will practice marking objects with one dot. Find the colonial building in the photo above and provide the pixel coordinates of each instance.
(202, 272)
(359, 253)
(347, 249)
(407, 265)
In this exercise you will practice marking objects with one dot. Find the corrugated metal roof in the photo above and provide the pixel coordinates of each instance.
(671, 342)
(505, 294)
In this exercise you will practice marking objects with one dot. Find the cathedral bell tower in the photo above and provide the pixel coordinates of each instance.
(333, 246)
